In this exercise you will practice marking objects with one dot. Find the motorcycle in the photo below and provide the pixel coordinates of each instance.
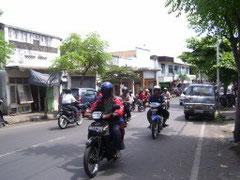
(127, 107)
(84, 107)
(66, 116)
(99, 144)
(133, 106)
(156, 119)
(141, 107)
(167, 103)
(1, 116)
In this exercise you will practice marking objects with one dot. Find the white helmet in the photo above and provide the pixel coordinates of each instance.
(147, 90)
(156, 87)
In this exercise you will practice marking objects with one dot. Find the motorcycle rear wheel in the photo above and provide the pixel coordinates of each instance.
(62, 122)
(154, 129)
(91, 158)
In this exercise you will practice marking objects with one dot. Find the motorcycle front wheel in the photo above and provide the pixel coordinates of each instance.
(79, 121)
(90, 162)
(62, 122)
(154, 129)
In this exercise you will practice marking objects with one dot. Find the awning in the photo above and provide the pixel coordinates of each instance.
(46, 80)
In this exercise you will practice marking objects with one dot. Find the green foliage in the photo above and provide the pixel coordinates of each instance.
(5, 48)
(219, 118)
(183, 77)
(213, 16)
(82, 55)
(118, 75)
(203, 57)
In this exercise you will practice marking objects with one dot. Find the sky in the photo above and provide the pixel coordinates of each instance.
(125, 24)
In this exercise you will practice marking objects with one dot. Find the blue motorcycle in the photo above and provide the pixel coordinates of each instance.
(156, 119)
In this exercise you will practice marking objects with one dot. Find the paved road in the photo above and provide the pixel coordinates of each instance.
(187, 150)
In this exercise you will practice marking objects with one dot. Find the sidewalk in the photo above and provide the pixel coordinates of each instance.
(18, 118)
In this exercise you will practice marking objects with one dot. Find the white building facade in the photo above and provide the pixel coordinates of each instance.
(33, 50)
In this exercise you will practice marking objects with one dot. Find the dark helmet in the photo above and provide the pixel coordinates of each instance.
(67, 91)
(107, 89)
(125, 89)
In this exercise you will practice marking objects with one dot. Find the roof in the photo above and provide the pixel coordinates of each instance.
(27, 30)
(126, 54)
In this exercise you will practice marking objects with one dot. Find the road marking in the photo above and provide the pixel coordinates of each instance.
(32, 146)
(197, 157)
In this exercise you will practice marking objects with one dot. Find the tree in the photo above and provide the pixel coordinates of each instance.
(183, 77)
(5, 48)
(120, 75)
(218, 17)
(203, 56)
(87, 56)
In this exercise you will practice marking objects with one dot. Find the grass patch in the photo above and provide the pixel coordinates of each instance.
(219, 118)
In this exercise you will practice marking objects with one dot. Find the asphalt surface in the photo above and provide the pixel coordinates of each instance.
(187, 150)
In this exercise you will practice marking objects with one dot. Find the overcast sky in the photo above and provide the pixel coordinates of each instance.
(125, 24)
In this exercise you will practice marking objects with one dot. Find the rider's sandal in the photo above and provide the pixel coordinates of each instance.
(165, 125)
(118, 155)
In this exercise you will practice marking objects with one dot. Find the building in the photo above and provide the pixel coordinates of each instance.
(139, 60)
(171, 70)
(33, 51)
(153, 69)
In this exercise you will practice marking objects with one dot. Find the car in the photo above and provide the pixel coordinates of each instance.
(84, 95)
(182, 97)
(200, 99)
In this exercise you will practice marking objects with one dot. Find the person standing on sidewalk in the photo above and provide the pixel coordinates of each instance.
(1, 115)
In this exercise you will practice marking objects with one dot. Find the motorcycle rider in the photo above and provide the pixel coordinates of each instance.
(132, 99)
(106, 105)
(127, 102)
(158, 97)
(142, 97)
(68, 100)
(167, 95)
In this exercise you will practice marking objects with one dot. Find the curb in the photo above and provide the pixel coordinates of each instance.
(34, 117)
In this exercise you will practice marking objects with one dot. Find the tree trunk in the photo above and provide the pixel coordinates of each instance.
(237, 119)
(236, 54)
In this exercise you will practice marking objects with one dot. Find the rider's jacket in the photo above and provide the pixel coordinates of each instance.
(125, 97)
(154, 98)
(142, 96)
(99, 105)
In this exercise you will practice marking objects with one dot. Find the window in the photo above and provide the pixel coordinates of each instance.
(200, 91)
(163, 69)
(13, 94)
(176, 68)
(24, 93)
(170, 69)
(187, 70)
(183, 70)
